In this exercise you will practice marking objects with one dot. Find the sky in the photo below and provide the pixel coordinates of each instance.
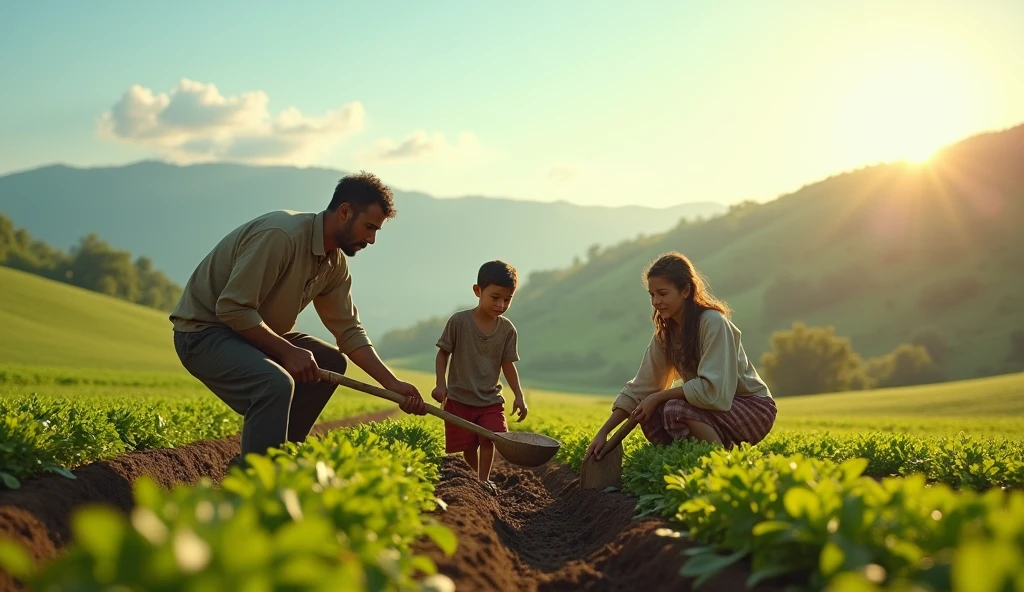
(590, 102)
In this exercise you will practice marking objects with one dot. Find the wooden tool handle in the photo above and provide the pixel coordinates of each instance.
(619, 435)
(335, 378)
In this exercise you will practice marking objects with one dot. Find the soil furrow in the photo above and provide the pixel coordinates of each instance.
(38, 514)
(543, 533)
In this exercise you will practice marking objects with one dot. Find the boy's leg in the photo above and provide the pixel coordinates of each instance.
(486, 458)
(471, 459)
(458, 439)
(491, 418)
(245, 378)
(311, 398)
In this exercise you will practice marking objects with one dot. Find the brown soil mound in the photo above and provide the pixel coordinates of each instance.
(38, 513)
(542, 532)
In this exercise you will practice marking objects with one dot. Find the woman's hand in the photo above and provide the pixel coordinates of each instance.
(645, 410)
(596, 445)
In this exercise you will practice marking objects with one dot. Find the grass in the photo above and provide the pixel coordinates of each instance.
(997, 396)
(980, 407)
(49, 323)
(17, 380)
(992, 406)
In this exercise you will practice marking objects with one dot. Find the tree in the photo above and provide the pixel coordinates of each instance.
(807, 360)
(94, 261)
(6, 237)
(904, 366)
(1015, 358)
(935, 343)
(92, 264)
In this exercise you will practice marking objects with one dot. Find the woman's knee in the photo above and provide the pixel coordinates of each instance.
(703, 431)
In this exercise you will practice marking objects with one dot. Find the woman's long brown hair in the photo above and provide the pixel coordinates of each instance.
(682, 344)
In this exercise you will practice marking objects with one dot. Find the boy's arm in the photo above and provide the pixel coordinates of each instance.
(512, 376)
(445, 347)
(440, 365)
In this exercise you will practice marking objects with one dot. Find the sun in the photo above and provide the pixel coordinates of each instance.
(921, 154)
(904, 107)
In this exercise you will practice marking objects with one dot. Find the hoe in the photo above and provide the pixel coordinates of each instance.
(607, 472)
(519, 448)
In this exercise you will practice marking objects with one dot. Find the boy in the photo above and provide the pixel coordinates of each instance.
(481, 342)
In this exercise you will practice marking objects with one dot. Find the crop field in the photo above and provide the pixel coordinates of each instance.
(119, 478)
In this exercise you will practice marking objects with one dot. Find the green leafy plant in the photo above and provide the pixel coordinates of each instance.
(338, 513)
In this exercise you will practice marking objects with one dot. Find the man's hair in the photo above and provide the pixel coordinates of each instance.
(497, 273)
(361, 191)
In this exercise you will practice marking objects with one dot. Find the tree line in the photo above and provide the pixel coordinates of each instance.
(92, 264)
(809, 360)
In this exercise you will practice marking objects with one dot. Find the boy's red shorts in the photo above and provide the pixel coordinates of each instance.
(457, 439)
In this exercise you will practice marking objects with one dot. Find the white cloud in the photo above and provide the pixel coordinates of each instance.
(420, 145)
(563, 174)
(195, 123)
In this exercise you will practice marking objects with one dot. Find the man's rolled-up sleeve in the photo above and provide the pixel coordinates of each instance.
(340, 315)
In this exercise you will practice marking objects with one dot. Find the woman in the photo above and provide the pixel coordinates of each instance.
(722, 398)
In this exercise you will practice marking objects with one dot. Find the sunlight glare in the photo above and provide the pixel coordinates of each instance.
(905, 107)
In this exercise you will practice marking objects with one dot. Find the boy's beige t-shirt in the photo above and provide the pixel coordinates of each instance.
(476, 358)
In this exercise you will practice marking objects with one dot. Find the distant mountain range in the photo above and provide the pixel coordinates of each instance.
(424, 262)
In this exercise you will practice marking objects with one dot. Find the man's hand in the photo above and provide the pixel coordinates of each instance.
(413, 403)
(519, 406)
(301, 364)
(366, 358)
(440, 393)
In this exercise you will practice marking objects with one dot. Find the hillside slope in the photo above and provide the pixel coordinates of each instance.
(50, 323)
(881, 253)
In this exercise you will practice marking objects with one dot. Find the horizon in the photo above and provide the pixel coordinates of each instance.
(660, 106)
(497, 197)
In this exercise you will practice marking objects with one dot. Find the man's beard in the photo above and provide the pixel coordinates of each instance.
(346, 244)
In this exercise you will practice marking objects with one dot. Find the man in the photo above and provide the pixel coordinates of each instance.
(233, 324)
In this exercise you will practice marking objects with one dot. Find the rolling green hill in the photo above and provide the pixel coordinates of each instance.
(882, 253)
(49, 323)
(995, 396)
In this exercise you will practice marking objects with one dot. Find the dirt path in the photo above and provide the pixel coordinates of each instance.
(543, 533)
(38, 513)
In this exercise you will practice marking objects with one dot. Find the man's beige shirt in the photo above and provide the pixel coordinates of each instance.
(269, 269)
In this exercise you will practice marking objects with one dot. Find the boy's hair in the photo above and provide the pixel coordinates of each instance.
(361, 191)
(497, 273)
